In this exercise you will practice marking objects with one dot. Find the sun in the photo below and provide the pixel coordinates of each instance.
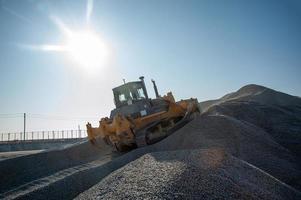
(86, 48)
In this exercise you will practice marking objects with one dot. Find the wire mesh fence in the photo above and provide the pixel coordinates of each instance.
(43, 135)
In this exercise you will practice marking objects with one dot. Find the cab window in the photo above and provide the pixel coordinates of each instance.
(141, 93)
(122, 98)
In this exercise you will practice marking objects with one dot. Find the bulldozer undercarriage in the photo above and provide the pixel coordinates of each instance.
(151, 134)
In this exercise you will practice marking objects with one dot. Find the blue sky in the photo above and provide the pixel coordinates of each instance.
(203, 49)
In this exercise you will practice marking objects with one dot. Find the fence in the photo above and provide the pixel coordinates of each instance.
(43, 135)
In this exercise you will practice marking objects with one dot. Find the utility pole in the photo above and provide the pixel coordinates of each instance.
(79, 133)
(24, 124)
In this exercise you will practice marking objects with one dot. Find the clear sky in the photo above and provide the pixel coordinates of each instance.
(202, 48)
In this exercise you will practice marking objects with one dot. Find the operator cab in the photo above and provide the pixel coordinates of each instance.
(131, 99)
(129, 93)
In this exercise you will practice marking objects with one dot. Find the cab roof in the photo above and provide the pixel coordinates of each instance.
(126, 85)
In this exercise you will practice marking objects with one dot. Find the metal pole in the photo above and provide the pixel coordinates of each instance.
(24, 124)
(79, 133)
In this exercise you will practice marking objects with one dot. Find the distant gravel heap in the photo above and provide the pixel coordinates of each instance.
(256, 93)
(279, 114)
(190, 174)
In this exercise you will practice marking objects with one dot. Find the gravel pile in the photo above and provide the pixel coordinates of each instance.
(282, 123)
(20, 170)
(255, 93)
(190, 174)
(277, 113)
(240, 139)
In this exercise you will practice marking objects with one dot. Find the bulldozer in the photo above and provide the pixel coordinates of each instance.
(138, 120)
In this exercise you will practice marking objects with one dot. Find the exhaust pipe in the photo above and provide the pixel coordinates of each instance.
(156, 89)
(144, 88)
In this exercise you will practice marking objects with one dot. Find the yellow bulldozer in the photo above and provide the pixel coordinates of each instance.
(139, 120)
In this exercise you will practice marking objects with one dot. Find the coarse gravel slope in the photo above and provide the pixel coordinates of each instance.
(190, 174)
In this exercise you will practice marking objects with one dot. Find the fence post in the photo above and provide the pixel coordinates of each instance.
(53, 135)
(32, 135)
(71, 134)
(24, 126)
(2, 137)
(21, 136)
(62, 134)
(43, 135)
(8, 137)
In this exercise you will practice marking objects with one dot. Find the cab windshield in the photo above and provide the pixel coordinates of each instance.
(127, 93)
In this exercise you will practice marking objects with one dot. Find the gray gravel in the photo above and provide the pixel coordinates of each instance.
(190, 174)
(14, 154)
(277, 113)
(255, 93)
(282, 123)
(240, 139)
(18, 171)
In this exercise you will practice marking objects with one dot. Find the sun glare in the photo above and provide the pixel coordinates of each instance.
(86, 48)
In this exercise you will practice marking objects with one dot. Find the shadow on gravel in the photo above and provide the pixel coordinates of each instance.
(189, 174)
(17, 171)
(239, 138)
(214, 174)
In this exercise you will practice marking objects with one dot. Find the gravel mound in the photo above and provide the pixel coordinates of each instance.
(240, 139)
(264, 95)
(20, 170)
(190, 174)
(256, 93)
(282, 123)
(277, 113)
